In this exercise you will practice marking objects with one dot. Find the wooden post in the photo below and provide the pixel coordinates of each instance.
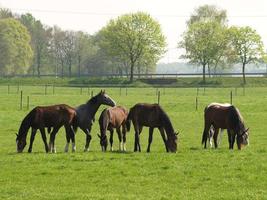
(28, 102)
(21, 100)
(204, 90)
(92, 93)
(81, 91)
(158, 97)
(231, 97)
(45, 89)
(196, 103)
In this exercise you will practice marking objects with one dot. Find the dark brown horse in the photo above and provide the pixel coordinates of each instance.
(86, 114)
(42, 117)
(109, 119)
(225, 116)
(152, 116)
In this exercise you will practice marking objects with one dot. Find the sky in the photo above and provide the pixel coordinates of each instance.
(91, 15)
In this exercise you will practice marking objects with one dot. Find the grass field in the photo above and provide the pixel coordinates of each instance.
(191, 173)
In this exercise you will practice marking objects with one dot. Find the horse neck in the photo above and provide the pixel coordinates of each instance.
(167, 125)
(24, 127)
(93, 107)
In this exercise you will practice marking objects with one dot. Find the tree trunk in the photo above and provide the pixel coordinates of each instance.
(209, 69)
(132, 69)
(38, 64)
(62, 67)
(79, 65)
(70, 68)
(243, 71)
(204, 71)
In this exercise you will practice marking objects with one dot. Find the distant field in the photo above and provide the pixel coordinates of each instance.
(191, 173)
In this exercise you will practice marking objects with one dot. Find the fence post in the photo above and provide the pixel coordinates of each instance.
(92, 93)
(158, 97)
(81, 91)
(21, 100)
(28, 102)
(196, 103)
(231, 97)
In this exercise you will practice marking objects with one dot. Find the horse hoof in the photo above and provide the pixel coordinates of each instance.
(86, 150)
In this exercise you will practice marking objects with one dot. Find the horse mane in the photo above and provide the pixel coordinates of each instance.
(93, 100)
(25, 124)
(167, 122)
(236, 118)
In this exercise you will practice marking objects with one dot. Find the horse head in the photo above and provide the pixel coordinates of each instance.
(172, 142)
(243, 138)
(103, 142)
(103, 98)
(21, 143)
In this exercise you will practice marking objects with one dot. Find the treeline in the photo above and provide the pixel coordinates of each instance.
(131, 43)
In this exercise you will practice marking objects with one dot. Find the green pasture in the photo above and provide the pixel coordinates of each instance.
(191, 173)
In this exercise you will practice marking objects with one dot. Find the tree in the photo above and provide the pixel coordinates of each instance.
(248, 46)
(5, 13)
(15, 49)
(208, 13)
(40, 36)
(201, 44)
(131, 36)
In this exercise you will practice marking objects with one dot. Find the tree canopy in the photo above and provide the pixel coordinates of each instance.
(16, 52)
(133, 38)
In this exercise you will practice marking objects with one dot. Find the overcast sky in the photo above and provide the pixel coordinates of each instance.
(92, 15)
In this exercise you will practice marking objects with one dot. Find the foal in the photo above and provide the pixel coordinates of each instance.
(115, 117)
(42, 117)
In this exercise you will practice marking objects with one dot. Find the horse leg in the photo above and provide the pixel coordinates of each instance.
(119, 136)
(88, 138)
(44, 140)
(111, 139)
(150, 138)
(215, 136)
(162, 133)
(124, 137)
(205, 134)
(136, 129)
(68, 141)
(52, 140)
(32, 139)
(72, 137)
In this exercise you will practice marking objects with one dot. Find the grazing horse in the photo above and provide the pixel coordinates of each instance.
(86, 114)
(211, 134)
(42, 117)
(152, 116)
(110, 118)
(225, 116)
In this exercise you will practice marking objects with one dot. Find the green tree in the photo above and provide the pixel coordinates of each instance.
(201, 44)
(40, 39)
(5, 13)
(248, 46)
(15, 50)
(208, 13)
(131, 36)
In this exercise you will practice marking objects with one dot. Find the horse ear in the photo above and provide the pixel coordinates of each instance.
(16, 134)
(177, 133)
(246, 131)
(99, 136)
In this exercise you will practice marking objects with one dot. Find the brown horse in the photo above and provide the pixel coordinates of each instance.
(152, 116)
(225, 116)
(42, 117)
(109, 119)
(86, 114)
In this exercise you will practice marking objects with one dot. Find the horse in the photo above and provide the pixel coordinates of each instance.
(86, 114)
(152, 116)
(211, 134)
(42, 117)
(110, 118)
(225, 116)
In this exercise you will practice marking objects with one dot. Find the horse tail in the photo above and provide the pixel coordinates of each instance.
(205, 132)
(128, 120)
(75, 123)
(49, 129)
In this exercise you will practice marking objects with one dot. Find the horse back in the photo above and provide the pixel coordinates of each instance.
(52, 116)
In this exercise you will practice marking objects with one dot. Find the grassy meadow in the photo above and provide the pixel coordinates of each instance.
(191, 173)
